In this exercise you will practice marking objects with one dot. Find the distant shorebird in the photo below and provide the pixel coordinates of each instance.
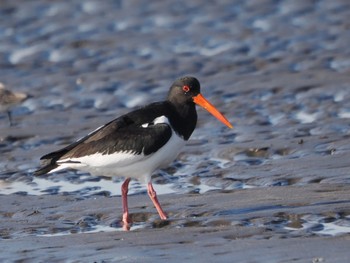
(138, 143)
(8, 99)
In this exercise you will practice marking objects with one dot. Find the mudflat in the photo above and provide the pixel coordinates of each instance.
(253, 225)
(275, 188)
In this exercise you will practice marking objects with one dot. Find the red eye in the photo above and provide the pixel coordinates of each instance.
(186, 88)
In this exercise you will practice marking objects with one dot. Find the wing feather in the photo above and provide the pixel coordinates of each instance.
(124, 134)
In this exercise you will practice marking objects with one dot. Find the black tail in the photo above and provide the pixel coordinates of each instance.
(49, 161)
(45, 169)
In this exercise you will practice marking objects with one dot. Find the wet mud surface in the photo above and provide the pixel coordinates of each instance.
(273, 189)
(274, 224)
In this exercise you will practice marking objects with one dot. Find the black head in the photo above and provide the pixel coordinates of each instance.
(185, 93)
(184, 90)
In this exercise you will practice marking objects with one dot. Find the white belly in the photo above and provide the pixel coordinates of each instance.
(127, 164)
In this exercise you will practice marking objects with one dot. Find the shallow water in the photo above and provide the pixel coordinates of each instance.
(278, 70)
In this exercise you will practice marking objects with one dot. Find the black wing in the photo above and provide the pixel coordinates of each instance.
(134, 132)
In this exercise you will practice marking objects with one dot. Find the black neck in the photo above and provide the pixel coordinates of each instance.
(184, 120)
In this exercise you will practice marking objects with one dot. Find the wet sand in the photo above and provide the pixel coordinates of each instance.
(240, 225)
(273, 189)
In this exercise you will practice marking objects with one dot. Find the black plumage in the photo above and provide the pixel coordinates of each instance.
(135, 131)
(137, 143)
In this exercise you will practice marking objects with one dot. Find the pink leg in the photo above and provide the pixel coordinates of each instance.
(153, 195)
(126, 218)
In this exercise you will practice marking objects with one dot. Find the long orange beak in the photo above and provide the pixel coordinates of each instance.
(201, 101)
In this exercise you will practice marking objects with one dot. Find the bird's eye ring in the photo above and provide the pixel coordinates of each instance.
(186, 88)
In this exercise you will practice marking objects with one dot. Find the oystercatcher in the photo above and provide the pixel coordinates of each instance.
(136, 144)
(8, 99)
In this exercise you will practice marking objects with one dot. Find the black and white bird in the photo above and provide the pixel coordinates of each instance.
(136, 144)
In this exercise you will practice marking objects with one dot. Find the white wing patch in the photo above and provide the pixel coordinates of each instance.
(158, 120)
(161, 119)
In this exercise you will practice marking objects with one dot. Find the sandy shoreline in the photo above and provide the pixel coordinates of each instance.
(240, 225)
